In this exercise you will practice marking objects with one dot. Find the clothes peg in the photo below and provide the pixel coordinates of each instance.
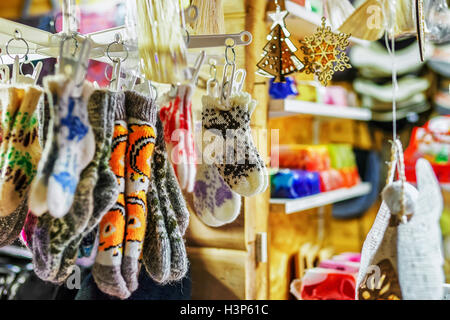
(19, 78)
(129, 82)
(195, 70)
(72, 65)
(114, 84)
(239, 78)
(4, 74)
(147, 88)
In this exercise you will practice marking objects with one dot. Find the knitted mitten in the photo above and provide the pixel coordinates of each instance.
(141, 115)
(176, 115)
(214, 202)
(107, 268)
(235, 155)
(22, 154)
(75, 145)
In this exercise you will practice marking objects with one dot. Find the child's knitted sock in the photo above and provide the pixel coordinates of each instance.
(176, 117)
(10, 100)
(106, 190)
(11, 225)
(214, 202)
(23, 153)
(141, 114)
(107, 268)
(178, 256)
(62, 231)
(37, 201)
(76, 146)
(156, 250)
(237, 162)
(173, 188)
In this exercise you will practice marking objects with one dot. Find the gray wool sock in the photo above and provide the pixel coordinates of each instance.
(59, 233)
(177, 199)
(173, 187)
(105, 192)
(178, 256)
(11, 225)
(156, 250)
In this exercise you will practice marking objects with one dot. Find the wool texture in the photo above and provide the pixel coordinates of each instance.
(231, 148)
(23, 151)
(107, 267)
(141, 117)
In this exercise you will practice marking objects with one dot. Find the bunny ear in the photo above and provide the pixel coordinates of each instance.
(430, 197)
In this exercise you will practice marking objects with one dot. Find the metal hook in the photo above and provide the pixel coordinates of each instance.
(118, 41)
(188, 37)
(17, 37)
(26, 61)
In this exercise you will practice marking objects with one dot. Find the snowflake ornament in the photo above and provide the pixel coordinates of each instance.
(325, 53)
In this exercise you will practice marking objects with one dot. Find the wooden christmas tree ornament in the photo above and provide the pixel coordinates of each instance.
(279, 59)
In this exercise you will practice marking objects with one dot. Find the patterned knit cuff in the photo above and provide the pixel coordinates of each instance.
(119, 110)
(140, 107)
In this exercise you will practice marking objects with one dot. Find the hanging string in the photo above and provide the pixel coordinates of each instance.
(390, 29)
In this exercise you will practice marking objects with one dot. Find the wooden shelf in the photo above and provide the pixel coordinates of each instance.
(289, 107)
(301, 22)
(289, 206)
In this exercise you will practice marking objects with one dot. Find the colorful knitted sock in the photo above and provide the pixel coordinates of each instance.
(10, 100)
(214, 202)
(141, 114)
(107, 268)
(238, 163)
(105, 194)
(76, 146)
(177, 119)
(23, 153)
(37, 200)
(63, 231)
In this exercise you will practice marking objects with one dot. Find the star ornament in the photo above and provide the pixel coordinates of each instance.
(278, 19)
(325, 53)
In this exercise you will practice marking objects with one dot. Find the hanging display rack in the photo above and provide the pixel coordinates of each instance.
(38, 44)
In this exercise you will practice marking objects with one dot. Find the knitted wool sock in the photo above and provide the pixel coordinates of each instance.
(105, 194)
(177, 119)
(214, 202)
(12, 225)
(178, 256)
(75, 143)
(10, 100)
(38, 191)
(179, 263)
(173, 188)
(62, 231)
(156, 249)
(107, 268)
(141, 114)
(23, 153)
(238, 164)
